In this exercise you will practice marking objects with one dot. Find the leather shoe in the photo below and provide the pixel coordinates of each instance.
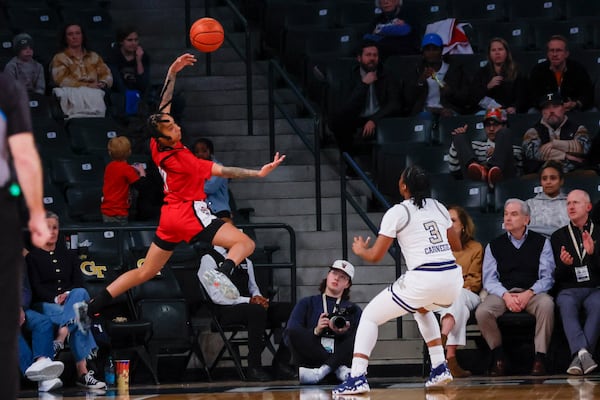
(498, 368)
(538, 368)
(285, 372)
(258, 374)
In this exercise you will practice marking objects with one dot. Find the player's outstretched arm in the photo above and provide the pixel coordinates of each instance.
(180, 63)
(375, 253)
(236, 172)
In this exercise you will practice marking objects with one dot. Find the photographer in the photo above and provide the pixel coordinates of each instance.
(321, 328)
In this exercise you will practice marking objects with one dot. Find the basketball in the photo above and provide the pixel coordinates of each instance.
(207, 35)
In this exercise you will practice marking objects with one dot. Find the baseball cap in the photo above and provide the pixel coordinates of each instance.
(551, 98)
(21, 41)
(496, 114)
(345, 266)
(432, 38)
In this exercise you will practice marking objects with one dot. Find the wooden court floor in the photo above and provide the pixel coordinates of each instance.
(478, 388)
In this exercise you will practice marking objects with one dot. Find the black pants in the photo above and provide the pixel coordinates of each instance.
(502, 157)
(347, 131)
(308, 351)
(257, 320)
(11, 268)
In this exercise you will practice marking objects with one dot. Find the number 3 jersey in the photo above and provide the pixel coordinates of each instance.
(421, 232)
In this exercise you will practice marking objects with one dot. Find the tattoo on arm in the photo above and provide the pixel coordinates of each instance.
(167, 93)
(235, 172)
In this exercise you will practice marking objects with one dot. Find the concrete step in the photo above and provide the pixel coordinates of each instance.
(237, 127)
(236, 96)
(229, 112)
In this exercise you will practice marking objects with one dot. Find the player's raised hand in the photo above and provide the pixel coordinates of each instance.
(181, 62)
(268, 168)
(360, 245)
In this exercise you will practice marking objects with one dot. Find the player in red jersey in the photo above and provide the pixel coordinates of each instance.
(185, 215)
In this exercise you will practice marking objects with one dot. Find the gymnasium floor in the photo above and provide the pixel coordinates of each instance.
(556, 387)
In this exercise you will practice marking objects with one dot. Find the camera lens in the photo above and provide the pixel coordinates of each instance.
(338, 321)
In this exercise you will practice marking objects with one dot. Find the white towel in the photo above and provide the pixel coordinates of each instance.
(81, 102)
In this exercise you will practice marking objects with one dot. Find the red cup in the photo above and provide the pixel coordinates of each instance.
(122, 372)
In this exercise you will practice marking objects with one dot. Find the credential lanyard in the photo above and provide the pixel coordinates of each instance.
(580, 254)
(337, 304)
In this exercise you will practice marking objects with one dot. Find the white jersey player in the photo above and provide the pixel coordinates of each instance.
(422, 227)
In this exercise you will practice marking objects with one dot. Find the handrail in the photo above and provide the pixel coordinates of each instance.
(245, 54)
(121, 229)
(314, 146)
(347, 197)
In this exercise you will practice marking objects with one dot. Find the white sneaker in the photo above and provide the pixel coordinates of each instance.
(44, 369)
(439, 376)
(49, 384)
(342, 372)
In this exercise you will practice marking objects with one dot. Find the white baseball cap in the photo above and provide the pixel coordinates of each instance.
(345, 266)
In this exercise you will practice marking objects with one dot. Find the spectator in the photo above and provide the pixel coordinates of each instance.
(488, 161)
(577, 281)
(56, 282)
(319, 345)
(454, 318)
(368, 95)
(549, 207)
(560, 74)
(517, 274)
(499, 83)
(438, 88)
(216, 187)
(119, 177)
(128, 62)
(77, 67)
(36, 361)
(391, 32)
(555, 137)
(23, 68)
(241, 302)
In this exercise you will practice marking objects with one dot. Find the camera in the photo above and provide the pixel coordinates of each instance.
(339, 318)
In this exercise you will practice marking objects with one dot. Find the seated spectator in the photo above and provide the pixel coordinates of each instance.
(241, 302)
(119, 177)
(500, 83)
(391, 32)
(555, 137)
(367, 96)
(577, 281)
(488, 161)
(321, 345)
(216, 188)
(454, 318)
(128, 62)
(561, 74)
(77, 67)
(549, 207)
(36, 362)
(438, 88)
(56, 282)
(517, 274)
(23, 68)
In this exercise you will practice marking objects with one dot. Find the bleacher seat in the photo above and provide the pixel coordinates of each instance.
(474, 123)
(518, 35)
(522, 188)
(488, 226)
(51, 138)
(91, 135)
(528, 59)
(534, 9)
(423, 12)
(578, 32)
(584, 180)
(83, 202)
(357, 14)
(433, 159)
(468, 194)
(74, 170)
(408, 129)
(581, 8)
(54, 200)
(33, 20)
(477, 10)
(103, 247)
(402, 67)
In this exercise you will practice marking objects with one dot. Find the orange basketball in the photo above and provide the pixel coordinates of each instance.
(207, 35)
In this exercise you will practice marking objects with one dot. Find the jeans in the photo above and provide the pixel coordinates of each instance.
(82, 344)
(42, 334)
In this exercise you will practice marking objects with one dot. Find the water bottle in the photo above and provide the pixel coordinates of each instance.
(109, 372)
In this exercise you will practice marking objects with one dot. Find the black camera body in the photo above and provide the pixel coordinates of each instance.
(339, 318)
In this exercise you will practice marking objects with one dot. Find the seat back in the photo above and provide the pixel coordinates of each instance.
(91, 135)
(83, 202)
(74, 170)
(469, 194)
(398, 130)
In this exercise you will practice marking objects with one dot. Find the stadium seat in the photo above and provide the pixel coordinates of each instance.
(43, 107)
(521, 188)
(358, 14)
(465, 193)
(584, 180)
(423, 12)
(91, 135)
(54, 200)
(488, 226)
(51, 138)
(474, 124)
(526, 60)
(471, 63)
(434, 159)
(409, 129)
(534, 9)
(520, 123)
(581, 8)
(577, 31)
(518, 35)
(477, 10)
(402, 68)
(103, 247)
(83, 202)
(589, 119)
(33, 20)
(74, 170)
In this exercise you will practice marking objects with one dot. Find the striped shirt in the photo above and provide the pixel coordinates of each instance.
(480, 151)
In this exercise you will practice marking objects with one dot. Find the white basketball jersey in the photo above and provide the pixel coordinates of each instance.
(421, 232)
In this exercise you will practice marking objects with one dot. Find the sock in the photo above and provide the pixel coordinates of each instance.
(581, 352)
(324, 370)
(436, 354)
(359, 366)
(226, 267)
(97, 303)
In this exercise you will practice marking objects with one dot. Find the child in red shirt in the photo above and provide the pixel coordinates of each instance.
(118, 177)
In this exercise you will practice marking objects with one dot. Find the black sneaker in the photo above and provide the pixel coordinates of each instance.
(81, 316)
(88, 381)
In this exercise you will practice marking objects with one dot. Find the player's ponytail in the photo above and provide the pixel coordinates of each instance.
(153, 125)
(417, 183)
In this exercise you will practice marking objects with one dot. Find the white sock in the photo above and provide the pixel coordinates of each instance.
(324, 370)
(436, 353)
(359, 366)
(582, 352)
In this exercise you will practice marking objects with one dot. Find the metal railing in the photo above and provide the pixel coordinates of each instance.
(245, 54)
(276, 73)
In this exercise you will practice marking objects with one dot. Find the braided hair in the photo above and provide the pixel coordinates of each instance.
(153, 125)
(417, 181)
